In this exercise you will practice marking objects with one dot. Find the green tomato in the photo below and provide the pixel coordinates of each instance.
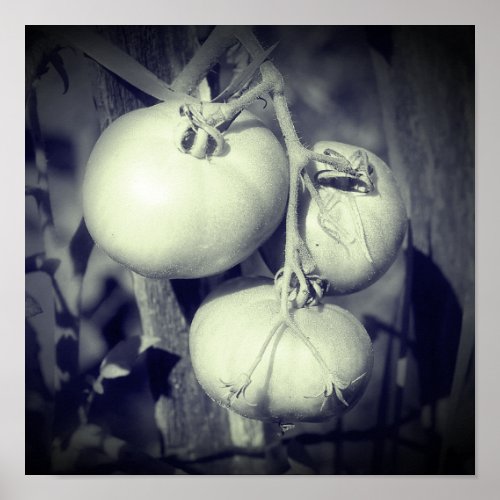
(287, 386)
(355, 237)
(166, 214)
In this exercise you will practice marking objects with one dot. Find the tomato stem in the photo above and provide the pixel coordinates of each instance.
(227, 111)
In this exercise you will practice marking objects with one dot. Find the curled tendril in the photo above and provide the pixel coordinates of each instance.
(192, 121)
(261, 98)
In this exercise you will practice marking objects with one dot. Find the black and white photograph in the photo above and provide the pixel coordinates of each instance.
(250, 250)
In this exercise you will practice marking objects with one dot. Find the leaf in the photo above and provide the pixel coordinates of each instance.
(244, 76)
(120, 360)
(58, 64)
(38, 193)
(97, 387)
(112, 371)
(31, 306)
(114, 59)
(80, 246)
(39, 262)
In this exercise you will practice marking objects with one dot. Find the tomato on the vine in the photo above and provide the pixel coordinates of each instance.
(164, 213)
(355, 236)
(226, 338)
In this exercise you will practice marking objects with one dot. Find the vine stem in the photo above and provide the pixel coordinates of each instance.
(298, 159)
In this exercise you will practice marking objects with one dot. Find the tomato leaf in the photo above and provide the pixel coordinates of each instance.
(120, 360)
(31, 306)
(114, 59)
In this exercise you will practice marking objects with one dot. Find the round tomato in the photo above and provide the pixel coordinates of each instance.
(355, 236)
(288, 384)
(164, 213)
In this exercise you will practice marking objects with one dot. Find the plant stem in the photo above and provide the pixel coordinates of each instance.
(219, 40)
(227, 111)
(298, 159)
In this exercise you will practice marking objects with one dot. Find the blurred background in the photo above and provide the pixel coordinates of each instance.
(404, 93)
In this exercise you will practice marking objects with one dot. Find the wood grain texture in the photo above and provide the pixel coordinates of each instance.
(425, 78)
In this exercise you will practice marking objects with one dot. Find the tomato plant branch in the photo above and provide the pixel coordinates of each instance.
(296, 254)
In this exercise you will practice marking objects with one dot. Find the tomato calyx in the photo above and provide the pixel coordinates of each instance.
(332, 383)
(196, 135)
(199, 135)
(357, 179)
(303, 293)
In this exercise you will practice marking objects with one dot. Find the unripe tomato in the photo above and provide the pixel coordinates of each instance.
(287, 385)
(357, 237)
(164, 213)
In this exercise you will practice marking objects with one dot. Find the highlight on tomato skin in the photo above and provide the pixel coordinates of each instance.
(356, 237)
(164, 213)
(288, 384)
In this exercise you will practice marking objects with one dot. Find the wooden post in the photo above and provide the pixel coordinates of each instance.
(425, 78)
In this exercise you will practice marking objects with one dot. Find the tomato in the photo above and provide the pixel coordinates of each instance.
(287, 386)
(164, 213)
(356, 237)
